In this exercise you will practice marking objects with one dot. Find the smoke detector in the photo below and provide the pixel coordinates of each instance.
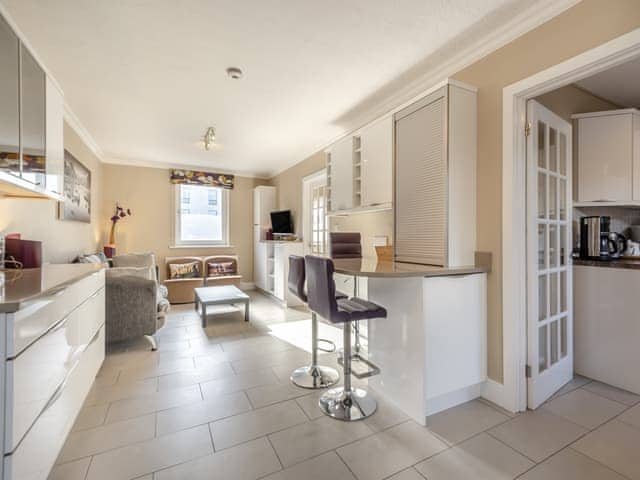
(234, 72)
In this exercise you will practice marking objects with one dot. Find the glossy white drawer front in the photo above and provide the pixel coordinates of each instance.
(37, 316)
(39, 370)
(36, 454)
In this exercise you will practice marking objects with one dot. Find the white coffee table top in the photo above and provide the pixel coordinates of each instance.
(221, 294)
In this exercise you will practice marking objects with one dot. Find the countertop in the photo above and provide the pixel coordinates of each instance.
(372, 267)
(19, 286)
(628, 263)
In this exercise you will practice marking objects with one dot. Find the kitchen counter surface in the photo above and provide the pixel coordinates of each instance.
(19, 286)
(372, 267)
(627, 263)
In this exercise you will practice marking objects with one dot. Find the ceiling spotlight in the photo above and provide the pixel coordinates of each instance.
(234, 72)
(209, 138)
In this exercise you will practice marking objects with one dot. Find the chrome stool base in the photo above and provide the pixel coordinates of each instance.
(315, 376)
(347, 405)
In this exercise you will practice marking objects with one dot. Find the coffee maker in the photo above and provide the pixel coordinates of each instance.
(594, 237)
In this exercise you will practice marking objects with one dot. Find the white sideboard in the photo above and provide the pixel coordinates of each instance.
(275, 256)
(52, 346)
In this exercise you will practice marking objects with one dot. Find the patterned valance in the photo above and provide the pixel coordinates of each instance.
(193, 177)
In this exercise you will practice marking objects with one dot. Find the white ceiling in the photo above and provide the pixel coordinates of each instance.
(620, 85)
(147, 77)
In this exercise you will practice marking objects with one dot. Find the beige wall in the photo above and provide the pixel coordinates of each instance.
(571, 99)
(149, 195)
(289, 186)
(582, 27)
(368, 224)
(37, 219)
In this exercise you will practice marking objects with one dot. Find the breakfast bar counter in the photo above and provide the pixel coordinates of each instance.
(431, 348)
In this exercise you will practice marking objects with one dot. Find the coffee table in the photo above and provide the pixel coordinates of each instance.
(223, 295)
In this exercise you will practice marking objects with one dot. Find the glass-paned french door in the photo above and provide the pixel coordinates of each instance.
(549, 242)
(319, 225)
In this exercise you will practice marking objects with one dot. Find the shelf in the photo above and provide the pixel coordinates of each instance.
(361, 209)
(617, 203)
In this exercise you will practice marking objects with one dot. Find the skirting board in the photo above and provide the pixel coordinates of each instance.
(452, 399)
(495, 393)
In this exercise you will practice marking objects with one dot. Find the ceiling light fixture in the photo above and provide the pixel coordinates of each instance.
(209, 138)
(234, 72)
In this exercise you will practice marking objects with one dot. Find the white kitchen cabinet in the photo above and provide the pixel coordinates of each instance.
(435, 178)
(264, 202)
(340, 175)
(606, 326)
(376, 143)
(274, 261)
(608, 156)
(55, 139)
(259, 261)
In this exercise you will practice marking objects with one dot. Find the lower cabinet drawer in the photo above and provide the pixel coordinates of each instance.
(36, 454)
(37, 372)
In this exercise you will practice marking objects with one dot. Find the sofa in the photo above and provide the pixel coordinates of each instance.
(184, 274)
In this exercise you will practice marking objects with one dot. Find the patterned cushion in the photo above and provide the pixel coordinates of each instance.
(221, 268)
(184, 270)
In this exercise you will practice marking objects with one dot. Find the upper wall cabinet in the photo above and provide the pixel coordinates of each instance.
(435, 178)
(608, 156)
(31, 123)
(360, 170)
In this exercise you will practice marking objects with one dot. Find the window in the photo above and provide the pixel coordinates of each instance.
(196, 222)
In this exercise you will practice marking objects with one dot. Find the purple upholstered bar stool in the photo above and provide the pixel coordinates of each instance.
(343, 403)
(313, 375)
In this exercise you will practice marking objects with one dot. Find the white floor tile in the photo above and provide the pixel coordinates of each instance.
(256, 423)
(100, 395)
(146, 457)
(481, 458)
(613, 393)
(324, 467)
(274, 393)
(198, 413)
(241, 381)
(631, 416)
(184, 379)
(91, 416)
(248, 461)
(309, 439)
(70, 471)
(390, 451)
(570, 465)
(95, 440)
(584, 408)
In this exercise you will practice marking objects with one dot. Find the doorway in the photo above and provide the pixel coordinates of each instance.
(516, 257)
(315, 225)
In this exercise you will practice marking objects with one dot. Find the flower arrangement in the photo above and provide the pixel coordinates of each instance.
(120, 213)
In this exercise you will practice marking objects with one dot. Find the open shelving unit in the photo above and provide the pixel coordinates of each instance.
(328, 182)
(357, 171)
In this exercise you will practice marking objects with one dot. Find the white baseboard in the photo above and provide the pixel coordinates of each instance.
(457, 397)
(495, 393)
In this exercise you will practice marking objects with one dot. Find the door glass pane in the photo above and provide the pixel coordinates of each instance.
(9, 114)
(553, 294)
(563, 198)
(553, 150)
(542, 157)
(542, 247)
(542, 195)
(563, 337)
(553, 246)
(553, 200)
(563, 292)
(542, 348)
(563, 154)
(542, 297)
(553, 347)
(562, 247)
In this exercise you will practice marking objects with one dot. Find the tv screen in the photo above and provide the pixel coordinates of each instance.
(281, 222)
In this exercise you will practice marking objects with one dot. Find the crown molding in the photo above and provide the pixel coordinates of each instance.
(129, 162)
(74, 122)
(532, 17)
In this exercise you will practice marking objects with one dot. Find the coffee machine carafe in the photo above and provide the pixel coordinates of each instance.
(594, 237)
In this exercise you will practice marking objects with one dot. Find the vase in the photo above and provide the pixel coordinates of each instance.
(112, 234)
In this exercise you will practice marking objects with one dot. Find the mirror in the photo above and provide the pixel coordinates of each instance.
(9, 105)
(33, 120)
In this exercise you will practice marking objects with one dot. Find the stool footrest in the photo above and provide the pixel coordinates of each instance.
(372, 368)
(331, 349)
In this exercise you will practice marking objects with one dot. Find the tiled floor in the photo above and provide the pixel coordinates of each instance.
(217, 404)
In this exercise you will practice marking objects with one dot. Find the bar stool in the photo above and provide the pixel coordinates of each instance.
(313, 375)
(343, 403)
(348, 245)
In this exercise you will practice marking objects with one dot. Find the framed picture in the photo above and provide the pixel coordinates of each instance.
(76, 204)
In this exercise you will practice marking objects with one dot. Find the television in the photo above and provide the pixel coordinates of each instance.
(281, 222)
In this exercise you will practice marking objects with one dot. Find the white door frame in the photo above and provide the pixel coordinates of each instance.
(306, 182)
(513, 396)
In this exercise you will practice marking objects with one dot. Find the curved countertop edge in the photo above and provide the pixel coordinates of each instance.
(32, 283)
(372, 268)
(624, 263)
